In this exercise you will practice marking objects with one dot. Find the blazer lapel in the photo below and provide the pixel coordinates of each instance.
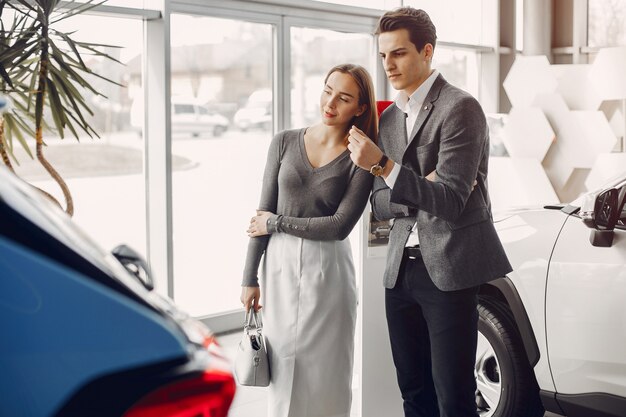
(427, 107)
(421, 118)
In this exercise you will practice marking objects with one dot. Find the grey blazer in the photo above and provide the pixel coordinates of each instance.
(458, 240)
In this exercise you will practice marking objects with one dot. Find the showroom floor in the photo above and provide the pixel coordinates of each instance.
(253, 401)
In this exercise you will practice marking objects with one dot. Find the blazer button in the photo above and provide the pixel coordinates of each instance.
(409, 228)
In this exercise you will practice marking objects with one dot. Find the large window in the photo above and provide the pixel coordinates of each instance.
(459, 67)
(104, 175)
(459, 21)
(139, 4)
(372, 4)
(313, 53)
(607, 23)
(221, 77)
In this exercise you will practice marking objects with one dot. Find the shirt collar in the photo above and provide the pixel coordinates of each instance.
(406, 103)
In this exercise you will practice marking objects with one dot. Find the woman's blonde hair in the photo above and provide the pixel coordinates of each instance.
(368, 120)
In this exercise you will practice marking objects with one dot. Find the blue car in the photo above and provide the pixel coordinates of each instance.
(83, 334)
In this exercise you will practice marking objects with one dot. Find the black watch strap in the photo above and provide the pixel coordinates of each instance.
(383, 161)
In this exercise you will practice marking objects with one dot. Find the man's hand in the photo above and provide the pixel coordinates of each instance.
(363, 151)
(250, 298)
(258, 224)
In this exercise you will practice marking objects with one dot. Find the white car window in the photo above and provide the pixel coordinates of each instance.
(183, 109)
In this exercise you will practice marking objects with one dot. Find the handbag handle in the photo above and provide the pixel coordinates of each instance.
(258, 322)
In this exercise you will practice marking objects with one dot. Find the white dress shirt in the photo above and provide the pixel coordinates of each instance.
(411, 107)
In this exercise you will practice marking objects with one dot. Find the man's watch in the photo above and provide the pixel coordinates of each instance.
(377, 170)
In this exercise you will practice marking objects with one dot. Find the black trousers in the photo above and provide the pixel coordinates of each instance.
(433, 341)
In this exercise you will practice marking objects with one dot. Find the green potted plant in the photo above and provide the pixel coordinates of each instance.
(42, 71)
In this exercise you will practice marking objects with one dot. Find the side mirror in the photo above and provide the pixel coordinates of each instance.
(135, 264)
(603, 218)
(606, 210)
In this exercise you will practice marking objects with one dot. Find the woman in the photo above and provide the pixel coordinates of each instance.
(312, 197)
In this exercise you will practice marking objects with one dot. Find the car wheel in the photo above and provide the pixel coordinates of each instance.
(505, 381)
(218, 131)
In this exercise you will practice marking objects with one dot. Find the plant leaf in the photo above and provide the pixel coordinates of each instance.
(31, 87)
(5, 75)
(56, 108)
(24, 4)
(14, 132)
(69, 88)
(68, 97)
(72, 45)
(87, 5)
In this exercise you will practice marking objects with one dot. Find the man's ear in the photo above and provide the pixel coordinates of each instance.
(428, 51)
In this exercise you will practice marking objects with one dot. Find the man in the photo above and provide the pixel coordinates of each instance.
(443, 244)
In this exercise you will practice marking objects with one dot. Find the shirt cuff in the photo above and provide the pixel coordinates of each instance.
(273, 223)
(254, 282)
(393, 175)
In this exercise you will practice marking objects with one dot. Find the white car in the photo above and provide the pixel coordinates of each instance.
(552, 334)
(191, 117)
(257, 112)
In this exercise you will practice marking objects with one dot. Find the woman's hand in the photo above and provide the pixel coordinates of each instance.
(250, 298)
(258, 224)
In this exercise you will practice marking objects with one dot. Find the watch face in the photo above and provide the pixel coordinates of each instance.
(376, 170)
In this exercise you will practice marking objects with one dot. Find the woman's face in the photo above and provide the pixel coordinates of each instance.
(339, 102)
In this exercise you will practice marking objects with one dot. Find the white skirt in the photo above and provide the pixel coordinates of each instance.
(308, 294)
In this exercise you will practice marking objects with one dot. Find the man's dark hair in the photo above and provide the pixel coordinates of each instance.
(416, 21)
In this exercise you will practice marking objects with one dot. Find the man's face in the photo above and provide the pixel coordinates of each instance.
(405, 67)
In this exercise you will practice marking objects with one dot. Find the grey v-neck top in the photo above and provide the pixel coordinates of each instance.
(321, 203)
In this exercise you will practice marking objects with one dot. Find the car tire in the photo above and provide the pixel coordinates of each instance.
(218, 131)
(506, 383)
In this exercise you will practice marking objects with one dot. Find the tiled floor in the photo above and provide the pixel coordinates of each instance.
(252, 401)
